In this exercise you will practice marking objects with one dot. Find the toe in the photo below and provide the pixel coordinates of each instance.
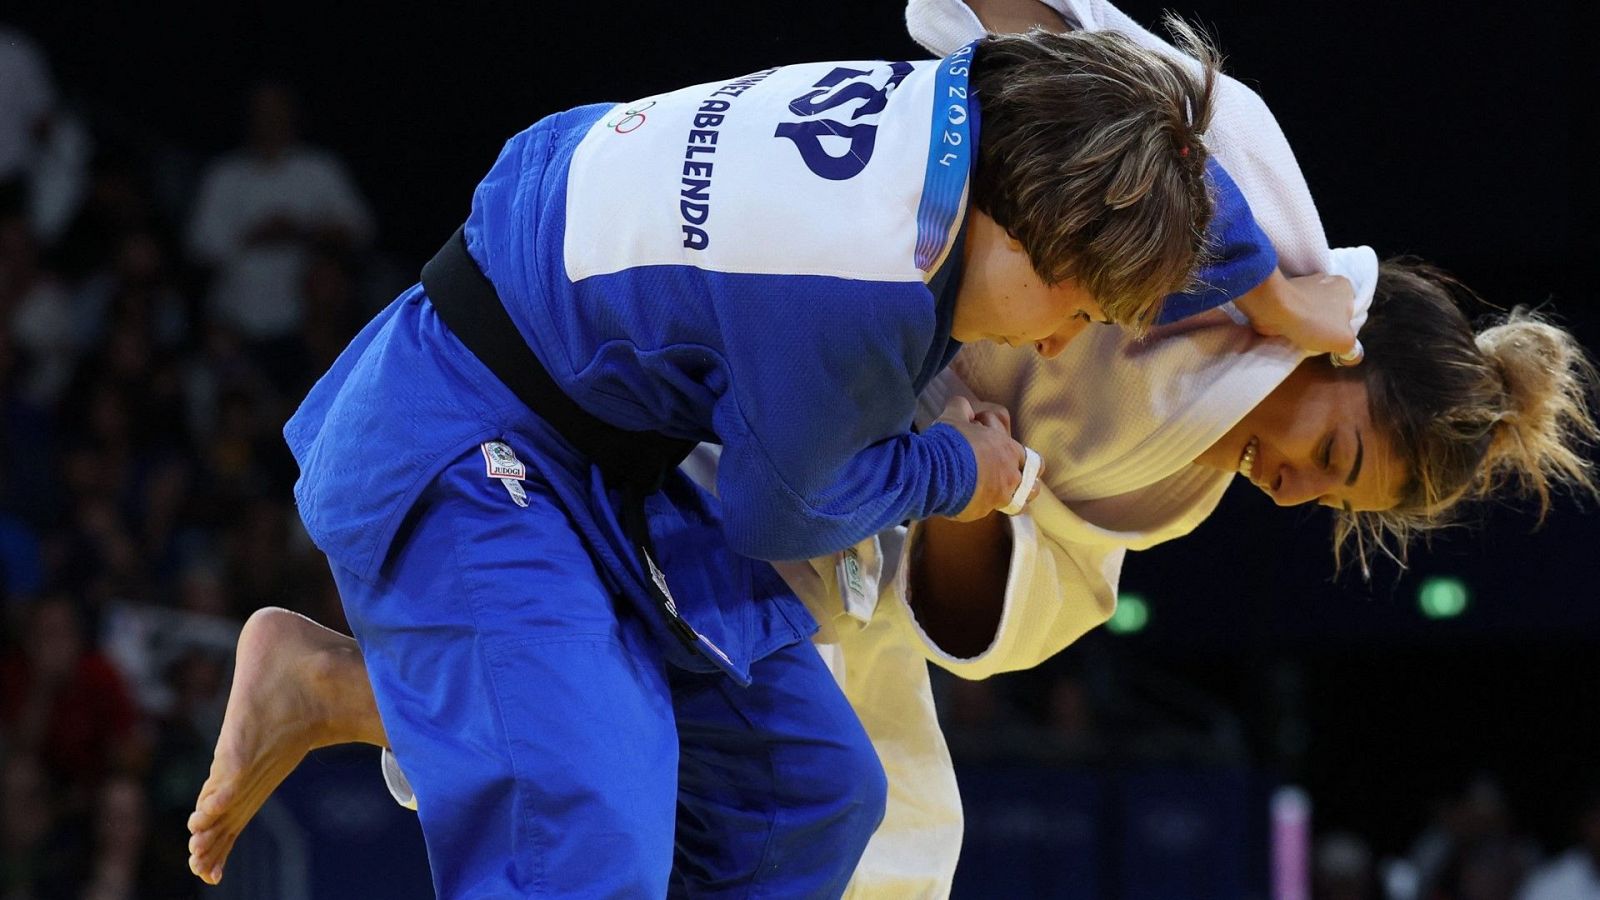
(214, 802)
(200, 821)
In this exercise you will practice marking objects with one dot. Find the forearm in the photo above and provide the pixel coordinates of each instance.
(769, 516)
(958, 582)
(1313, 311)
(1268, 300)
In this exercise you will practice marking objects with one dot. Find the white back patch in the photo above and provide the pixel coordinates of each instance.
(812, 169)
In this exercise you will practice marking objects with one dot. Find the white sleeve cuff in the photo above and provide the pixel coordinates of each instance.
(1360, 265)
(1057, 589)
(397, 783)
(942, 26)
(1019, 582)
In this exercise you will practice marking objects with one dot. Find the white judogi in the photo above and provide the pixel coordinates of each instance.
(1119, 424)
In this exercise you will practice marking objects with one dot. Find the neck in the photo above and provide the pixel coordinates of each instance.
(971, 250)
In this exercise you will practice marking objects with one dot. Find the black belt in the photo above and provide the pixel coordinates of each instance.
(635, 461)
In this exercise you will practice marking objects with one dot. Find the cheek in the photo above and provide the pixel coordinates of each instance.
(1047, 312)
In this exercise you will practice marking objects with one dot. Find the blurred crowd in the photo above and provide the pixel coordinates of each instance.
(1086, 711)
(1471, 850)
(156, 327)
(158, 321)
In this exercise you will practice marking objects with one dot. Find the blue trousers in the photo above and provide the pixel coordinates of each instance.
(553, 750)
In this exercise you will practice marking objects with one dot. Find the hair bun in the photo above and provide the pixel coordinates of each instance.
(1546, 420)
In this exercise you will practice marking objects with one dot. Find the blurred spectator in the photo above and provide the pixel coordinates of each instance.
(132, 291)
(96, 554)
(1469, 851)
(199, 683)
(117, 203)
(261, 211)
(259, 566)
(27, 482)
(1488, 868)
(980, 723)
(131, 398)
(37, 862)
(60, 699)
(333, 316)
(38, 311)
(1476, 811)
(1575, 874)
(245, 457)
(118, 869)
(201, 589)
(27, 98)
(1072, 731)
(24, 439)
(218, 365)
(21, 567)
(1343, 870)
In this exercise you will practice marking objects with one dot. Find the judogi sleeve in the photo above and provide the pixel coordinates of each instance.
(1062, 579)
(1065, 569)
(1066, 557)
(1057, 590)
(817, 447)
(1239, 255)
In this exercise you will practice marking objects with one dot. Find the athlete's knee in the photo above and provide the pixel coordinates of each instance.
(872, 791)
(855, 790)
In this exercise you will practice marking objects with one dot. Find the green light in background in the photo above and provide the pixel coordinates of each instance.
(1443, 598)
(1132, 614)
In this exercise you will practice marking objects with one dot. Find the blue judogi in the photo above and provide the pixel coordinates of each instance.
(720, 263)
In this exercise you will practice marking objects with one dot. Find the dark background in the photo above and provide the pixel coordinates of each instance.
(1463, 133)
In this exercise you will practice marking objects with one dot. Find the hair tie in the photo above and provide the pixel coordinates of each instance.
(1184, 151)
(1351, 357)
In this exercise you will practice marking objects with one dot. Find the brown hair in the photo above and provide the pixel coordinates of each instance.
(1470, 413)
(1090, 156)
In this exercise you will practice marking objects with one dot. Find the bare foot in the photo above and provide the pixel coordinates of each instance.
(296, 686)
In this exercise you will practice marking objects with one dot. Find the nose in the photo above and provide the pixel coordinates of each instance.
(1051, 347)
(1293, 485)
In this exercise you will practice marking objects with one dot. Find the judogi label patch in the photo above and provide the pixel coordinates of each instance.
(858, 572)
(501, 461)
(501, 464)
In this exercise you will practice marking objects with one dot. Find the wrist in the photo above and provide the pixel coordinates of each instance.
(953, 469)
(1269, 305)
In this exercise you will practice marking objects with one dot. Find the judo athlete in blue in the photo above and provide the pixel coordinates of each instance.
(594, 686)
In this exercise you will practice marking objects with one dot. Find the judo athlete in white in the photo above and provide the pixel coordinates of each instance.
(1140, 440)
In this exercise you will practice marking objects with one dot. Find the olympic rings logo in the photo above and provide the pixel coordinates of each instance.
(629, 119)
